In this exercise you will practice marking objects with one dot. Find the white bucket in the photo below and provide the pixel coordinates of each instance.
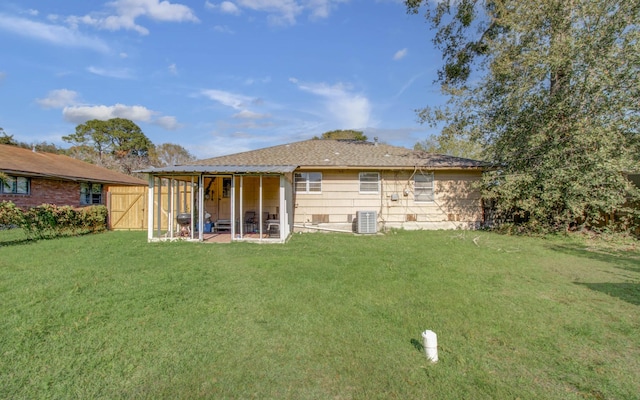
(430, 345)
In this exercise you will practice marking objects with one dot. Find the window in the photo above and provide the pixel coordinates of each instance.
(16, 185)
(90, 193)
(369, 182)
(423, 186)
(308, 182)
(226, 187)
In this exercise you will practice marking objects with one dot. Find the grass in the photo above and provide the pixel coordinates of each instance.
(323, 316)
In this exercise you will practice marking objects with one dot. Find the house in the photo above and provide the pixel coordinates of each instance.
(333, 185)
(36, 178)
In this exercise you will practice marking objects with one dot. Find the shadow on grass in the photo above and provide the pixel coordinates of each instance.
(629, 292)
(15, 242)
(626, 260)
(417, 345)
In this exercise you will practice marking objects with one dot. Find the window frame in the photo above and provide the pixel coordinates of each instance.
(14, 183)
(423, 187)
(361, 182)
(92, 195)
(309, 183)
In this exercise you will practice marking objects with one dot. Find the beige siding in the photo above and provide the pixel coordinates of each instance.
(456, 205)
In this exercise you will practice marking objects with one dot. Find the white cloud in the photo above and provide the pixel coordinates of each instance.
(236, 101)
(322, 8)
(81, 114)
(54, 34)
(173, 70)
(223, 29)
(400, 54)
(167, 122)
(33, 12)
(350, 110)
(246, 114)
(279, 12)
(228, 7)
(123, 55)
(127, 11)
(58, 99)
(122, 73)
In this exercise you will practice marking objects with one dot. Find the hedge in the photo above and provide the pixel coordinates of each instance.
(48, 220)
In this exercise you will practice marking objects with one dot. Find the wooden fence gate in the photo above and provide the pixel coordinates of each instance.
(127, 207)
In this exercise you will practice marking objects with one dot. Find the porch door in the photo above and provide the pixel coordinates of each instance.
(224, 200)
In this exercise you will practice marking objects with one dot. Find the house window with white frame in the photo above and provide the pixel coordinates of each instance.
(308, 182)
(369, 182)
(15, 185)
(423, 187)
(90, 193)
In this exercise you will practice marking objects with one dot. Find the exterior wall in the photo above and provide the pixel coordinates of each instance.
(47, 191)
(456, 203)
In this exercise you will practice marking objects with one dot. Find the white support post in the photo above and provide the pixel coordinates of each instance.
(261, 222)
(241, 208)
(283, 215)
(233, 207)
(159, 211)
(150, 207)
(170, 207)
(200, 206)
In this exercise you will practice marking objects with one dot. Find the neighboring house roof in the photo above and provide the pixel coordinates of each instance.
(328, 153)
(16, 160)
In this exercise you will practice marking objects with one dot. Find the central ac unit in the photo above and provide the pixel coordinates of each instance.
(367, 222)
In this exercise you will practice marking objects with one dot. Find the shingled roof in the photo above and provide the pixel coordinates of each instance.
(329, 153)
(16, 160)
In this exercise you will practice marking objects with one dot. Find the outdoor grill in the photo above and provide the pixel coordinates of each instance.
(184, 219)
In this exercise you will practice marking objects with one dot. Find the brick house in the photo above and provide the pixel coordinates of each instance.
(35, 178)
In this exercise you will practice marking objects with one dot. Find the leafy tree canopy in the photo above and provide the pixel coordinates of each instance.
(343, 134)
(115, 142)
(550, 89)
(451, 144)
(38, 146)
(170, 154)
(7, 139)
(117, 136)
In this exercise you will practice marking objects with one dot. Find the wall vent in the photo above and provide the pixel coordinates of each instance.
(367, 222)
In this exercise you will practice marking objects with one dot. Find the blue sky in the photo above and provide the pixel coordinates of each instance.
(216, 77)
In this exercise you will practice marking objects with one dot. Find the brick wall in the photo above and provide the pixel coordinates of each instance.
(47, 191)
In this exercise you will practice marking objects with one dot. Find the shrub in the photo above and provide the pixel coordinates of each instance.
(48, 221)
(10, 215)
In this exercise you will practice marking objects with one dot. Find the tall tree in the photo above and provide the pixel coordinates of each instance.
(116, 139)
(170, 154)
(551, 89)
(345, 134)
(6, 138)
(451, 144)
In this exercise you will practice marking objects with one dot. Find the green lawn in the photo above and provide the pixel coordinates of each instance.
(325, 316)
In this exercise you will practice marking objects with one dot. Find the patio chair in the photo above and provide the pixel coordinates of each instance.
(250, 221)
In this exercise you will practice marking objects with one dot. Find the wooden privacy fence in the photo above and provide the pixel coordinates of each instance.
(128, 205)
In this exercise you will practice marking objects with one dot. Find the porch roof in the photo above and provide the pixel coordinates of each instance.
(221, 169)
